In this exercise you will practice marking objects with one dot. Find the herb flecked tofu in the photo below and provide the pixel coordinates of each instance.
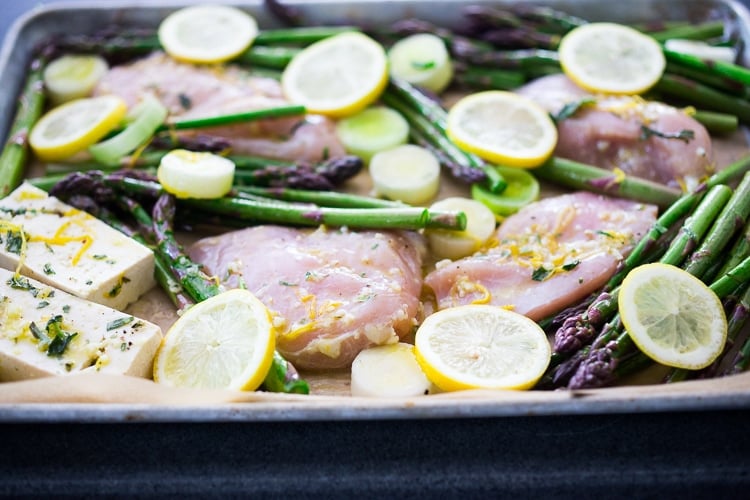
(45, 331)
(71, 250)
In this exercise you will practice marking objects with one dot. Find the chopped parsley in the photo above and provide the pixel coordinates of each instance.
(540, 273)
(119, 322)
(683, 135)
(423, 65)
(48, 269)
(54, 338)
(571, 265)
(572, 108)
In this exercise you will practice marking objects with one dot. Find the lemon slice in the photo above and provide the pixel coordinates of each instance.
(451, 244)
(611, 58)
(224, 342)
(481, 347)
(502, 127)
(192, 174)
(74, 126)
(73, 76)
(422, 60)
(337, 76)
(207, 33)
(672, 316)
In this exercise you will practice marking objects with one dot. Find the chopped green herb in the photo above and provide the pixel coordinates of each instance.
(572, 108)
(48, 269)
(605, 233)
(14, 242)
(42, 304)
(423, 65)
(683, 135)
(571, 265)
(59, 338)
(287, 283)
(66, 308)
(119, 322)
(540, 274)
(36, 332)
(99, 256)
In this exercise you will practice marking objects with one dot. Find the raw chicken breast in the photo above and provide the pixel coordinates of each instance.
(546, 257)
(333, 292)
(609, 134)
(191, 91)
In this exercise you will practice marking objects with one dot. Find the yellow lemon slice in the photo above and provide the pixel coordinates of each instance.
(672, 316)
(192, 174)
(73, 76)
(481, 347)
(224, 342)
(74, 126)
(502, 127)
(611, 58)
(207, 33)
(337, 76)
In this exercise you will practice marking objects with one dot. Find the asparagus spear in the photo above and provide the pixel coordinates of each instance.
(577, 175)
(580, 330)
(30, 106)
(600, 366)
(429, 118)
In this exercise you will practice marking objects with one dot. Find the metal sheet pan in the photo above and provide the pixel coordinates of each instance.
(86, 17)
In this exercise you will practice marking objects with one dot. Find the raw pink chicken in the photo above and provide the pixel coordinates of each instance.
(548, 256)
(332, 292)
(191, 91)
(608, 134)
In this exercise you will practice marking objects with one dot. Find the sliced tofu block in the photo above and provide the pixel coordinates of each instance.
(45, 331)
(71, 250)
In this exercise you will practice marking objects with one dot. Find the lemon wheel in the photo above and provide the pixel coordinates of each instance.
(672, 316)
(74, 126)
(611, 58)
(337, 76)
(481, 347)
(207, 33)
(502, 127)
(224, 342)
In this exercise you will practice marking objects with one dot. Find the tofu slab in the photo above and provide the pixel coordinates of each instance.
(71, 250)
(100, 339)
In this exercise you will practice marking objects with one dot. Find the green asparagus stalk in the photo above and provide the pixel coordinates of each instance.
(30, 106)
(578, 331)
(577, 175)
(301, 35)
(230, 119)
(732, 218)
(717, 82)
(429, 118)
(600, 366)
(674, 213)
(321, 198)
(281, 376)
(474, 77)
(249, 209)
(699, 31)
(732, 71)
(703, 96)
(717, 123)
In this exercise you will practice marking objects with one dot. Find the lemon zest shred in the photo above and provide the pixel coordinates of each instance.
(60, 239)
